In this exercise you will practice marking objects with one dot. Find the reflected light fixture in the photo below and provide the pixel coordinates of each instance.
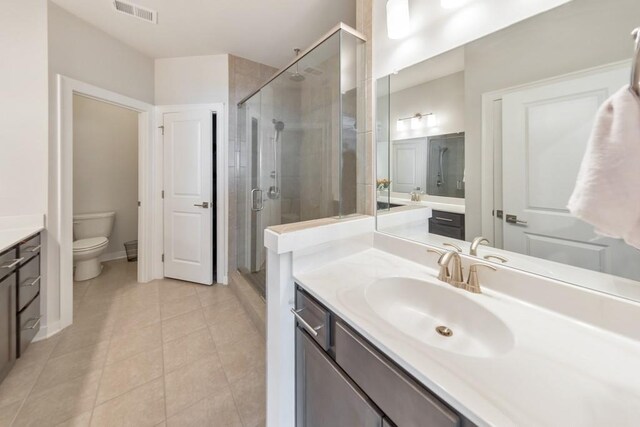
(416, 121)
(397, 18)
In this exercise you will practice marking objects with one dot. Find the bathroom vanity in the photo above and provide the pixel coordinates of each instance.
(526, 351)
(20, 279)
(341, 376)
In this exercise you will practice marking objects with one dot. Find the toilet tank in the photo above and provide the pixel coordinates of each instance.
(99, 224)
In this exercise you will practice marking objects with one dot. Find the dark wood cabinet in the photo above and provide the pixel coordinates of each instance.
(353, 383)
(447, 224)
(20, 277)
(7, 323)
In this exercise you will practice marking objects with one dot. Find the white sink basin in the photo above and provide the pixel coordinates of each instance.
(416, 308)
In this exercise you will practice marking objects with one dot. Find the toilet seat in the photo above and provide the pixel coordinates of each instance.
(89, 244)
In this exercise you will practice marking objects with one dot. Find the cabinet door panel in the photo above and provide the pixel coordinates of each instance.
(326, 397)
(7, 324)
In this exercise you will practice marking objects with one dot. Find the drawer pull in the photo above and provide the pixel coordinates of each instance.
(14, 263)
(35, 248)
(313, 331)
(439, 218)
(35, 323)
(27, 285)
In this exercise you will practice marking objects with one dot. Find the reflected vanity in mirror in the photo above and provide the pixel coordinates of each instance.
(487, 140)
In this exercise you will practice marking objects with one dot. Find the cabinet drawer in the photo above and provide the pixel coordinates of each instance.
(446, 231)
(28, 324)
(8, 262)
(448, 218)
(403, 400)
(28, 282)
(316, 317)
(29, 248)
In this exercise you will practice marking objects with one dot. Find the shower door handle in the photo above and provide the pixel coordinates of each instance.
(257, 203)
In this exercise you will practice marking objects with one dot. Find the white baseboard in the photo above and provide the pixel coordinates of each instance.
(113, 256)
(47, 331)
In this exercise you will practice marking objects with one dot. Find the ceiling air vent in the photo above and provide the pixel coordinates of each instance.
(136, 11)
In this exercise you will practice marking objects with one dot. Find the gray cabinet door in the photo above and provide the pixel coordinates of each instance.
(325, 396)
(7, 324)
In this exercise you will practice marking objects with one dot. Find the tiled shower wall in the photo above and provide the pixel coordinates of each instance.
(244, 77)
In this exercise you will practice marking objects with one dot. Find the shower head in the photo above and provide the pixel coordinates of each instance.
(278, 124)
(296, 76)
(443, 149)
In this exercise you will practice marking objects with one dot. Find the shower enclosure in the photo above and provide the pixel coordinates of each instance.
(298, 139)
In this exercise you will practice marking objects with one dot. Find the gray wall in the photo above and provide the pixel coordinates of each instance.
(578, 35)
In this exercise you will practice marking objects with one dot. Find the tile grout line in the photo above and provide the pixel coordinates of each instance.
(44, 365)
(164, 375)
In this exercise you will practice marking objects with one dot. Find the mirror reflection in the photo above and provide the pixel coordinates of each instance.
(486, 140)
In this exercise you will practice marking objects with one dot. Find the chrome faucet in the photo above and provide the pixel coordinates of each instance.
(451, 271)
(473, 251)
(473, 283)
(454, 275)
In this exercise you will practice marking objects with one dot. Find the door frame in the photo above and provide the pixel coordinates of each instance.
(222, 191)
(61, 226)
(488, 132)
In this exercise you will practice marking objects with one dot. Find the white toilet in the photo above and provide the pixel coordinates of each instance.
(91, 237)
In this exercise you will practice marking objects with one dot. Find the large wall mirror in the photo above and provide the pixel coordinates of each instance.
(487, 140)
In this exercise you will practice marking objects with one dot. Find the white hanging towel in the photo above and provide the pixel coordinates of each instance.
(607, 192)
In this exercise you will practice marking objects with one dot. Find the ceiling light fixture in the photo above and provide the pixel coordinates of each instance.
(398, 21)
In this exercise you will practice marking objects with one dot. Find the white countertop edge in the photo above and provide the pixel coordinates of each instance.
(14, 229)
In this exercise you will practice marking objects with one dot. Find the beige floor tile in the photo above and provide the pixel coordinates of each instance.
(60, 403)
(38, 352)
(250, 394)
(72, 365)
(17, 385)
(214, 294)
(81, 420)
(137, 340)
(175, 307)
(219, 312)
(73, 340)
(143, 406)
(241, 357)
(145, 316)
(182, 325)
(125, 375)
(218, 409)
(193, 382)
(187, 349)
(237, 326)
(174, 289)
(8, 413)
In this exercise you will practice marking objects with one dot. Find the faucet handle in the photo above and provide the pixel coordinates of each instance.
(497, 257)
(473, 283)
(436, 251)
(456, 247)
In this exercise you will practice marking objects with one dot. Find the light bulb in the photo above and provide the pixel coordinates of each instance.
(432, 120)
(400, 125)
(416, 122)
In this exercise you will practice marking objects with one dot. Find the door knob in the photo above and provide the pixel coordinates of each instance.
(204, 205)
(513, 219)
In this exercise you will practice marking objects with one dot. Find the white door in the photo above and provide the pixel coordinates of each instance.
(545, 132)
(408, 165)
(188, 207)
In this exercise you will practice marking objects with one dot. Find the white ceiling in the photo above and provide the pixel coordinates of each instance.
(266, 31)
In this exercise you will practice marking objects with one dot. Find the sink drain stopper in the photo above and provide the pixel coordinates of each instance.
(444, 331)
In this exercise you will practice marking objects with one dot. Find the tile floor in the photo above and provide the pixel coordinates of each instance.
(165, 353)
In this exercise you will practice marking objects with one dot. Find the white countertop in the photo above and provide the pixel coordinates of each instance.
(12, 236)
(559, 372)
(445, 204)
